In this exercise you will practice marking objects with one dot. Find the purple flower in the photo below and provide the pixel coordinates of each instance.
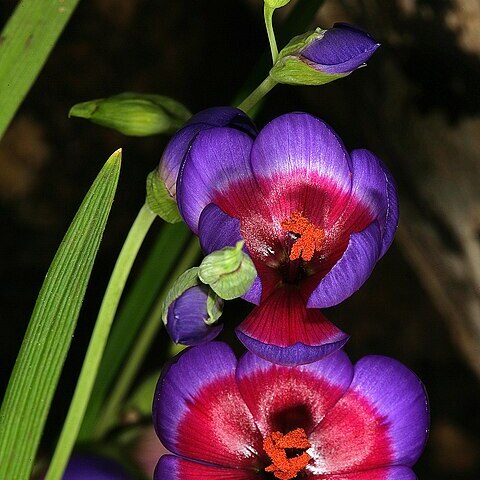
(187, 317)
(94, 467)
(315, 220)
(250, 419)
(324, 55)
(175, 151)
(342, 49)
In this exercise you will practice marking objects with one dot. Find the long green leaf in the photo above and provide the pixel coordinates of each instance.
(25, 43)
(49, 334)
(158, 265)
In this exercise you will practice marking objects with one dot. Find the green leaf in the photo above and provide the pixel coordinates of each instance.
(159, 200)
(25, 43)
(134, 114)
(47, 340)
(142, 397)
(164, 254)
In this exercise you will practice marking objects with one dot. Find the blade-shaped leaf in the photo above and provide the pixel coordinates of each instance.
(25, 43)
(47, 340)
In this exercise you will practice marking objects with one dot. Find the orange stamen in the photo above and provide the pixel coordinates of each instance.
(282, 467)
(311, 237)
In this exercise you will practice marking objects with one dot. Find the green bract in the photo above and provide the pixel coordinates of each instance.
(292, 70)
(159, 200)
(229, 272)
(134, 114)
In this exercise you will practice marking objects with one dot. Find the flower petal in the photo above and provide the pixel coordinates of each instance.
(382, 420)
(351, 271)
(388, 473)
(177, 148)
(216, 230)
(283, 331)
(373, 186)
(199, 413)
(83, 466)
(342, 49)
(296, 151)
(284, 398)
(217, 161)
(186, 318)
(171, 467)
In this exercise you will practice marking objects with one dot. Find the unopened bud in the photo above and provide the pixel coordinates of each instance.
(134, 114)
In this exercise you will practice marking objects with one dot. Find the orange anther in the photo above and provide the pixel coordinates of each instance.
(311, 237)
(283, 467)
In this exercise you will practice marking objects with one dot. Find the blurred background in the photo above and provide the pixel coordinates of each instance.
(417, 105)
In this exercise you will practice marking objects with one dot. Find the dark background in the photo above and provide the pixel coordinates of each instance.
(200, 53)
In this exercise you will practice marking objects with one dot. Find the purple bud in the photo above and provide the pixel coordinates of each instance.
(187, 317)
(94, 467)
(342, 49)
(181, 142)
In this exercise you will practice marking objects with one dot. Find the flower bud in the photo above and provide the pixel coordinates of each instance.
(276, 3)
(322, 56)
(189, 321)
(191, 310)
(229, 272)
(134, 114)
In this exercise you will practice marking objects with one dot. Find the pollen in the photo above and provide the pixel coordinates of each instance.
(310, 239)
(275, 445)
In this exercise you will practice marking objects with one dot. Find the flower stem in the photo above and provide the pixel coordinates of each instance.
(257, 94)
(140, 349)
(268, 15)
(97, 343)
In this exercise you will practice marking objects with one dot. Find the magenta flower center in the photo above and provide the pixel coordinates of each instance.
(279, 447)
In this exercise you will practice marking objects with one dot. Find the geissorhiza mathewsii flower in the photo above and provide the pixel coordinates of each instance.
(249, 419)
(314, 218)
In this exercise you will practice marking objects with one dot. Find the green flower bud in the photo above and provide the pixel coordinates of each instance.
(134, 114)
(159, 200)
(276, 3)
(229, 272)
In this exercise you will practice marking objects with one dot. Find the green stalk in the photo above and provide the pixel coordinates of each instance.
(25, 44)
(268, 15)
(147, 336)
(257, 94)
(97, 342)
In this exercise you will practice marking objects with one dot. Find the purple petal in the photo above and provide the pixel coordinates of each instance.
(388, 473)
(216, 230)
(351, 271)
(94, 467)
(218, 159)
(298, 148)
(284, 398)
(342, 49)
(180, 143)
(381, 420)
(400, 397)
(187, 315)
(297, 354)
(171, 467)
(374, 186)
(198, 411)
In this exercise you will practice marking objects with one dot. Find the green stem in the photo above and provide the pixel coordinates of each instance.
(139, 351)
(98, 340)
(268, 15)
(257, 94)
